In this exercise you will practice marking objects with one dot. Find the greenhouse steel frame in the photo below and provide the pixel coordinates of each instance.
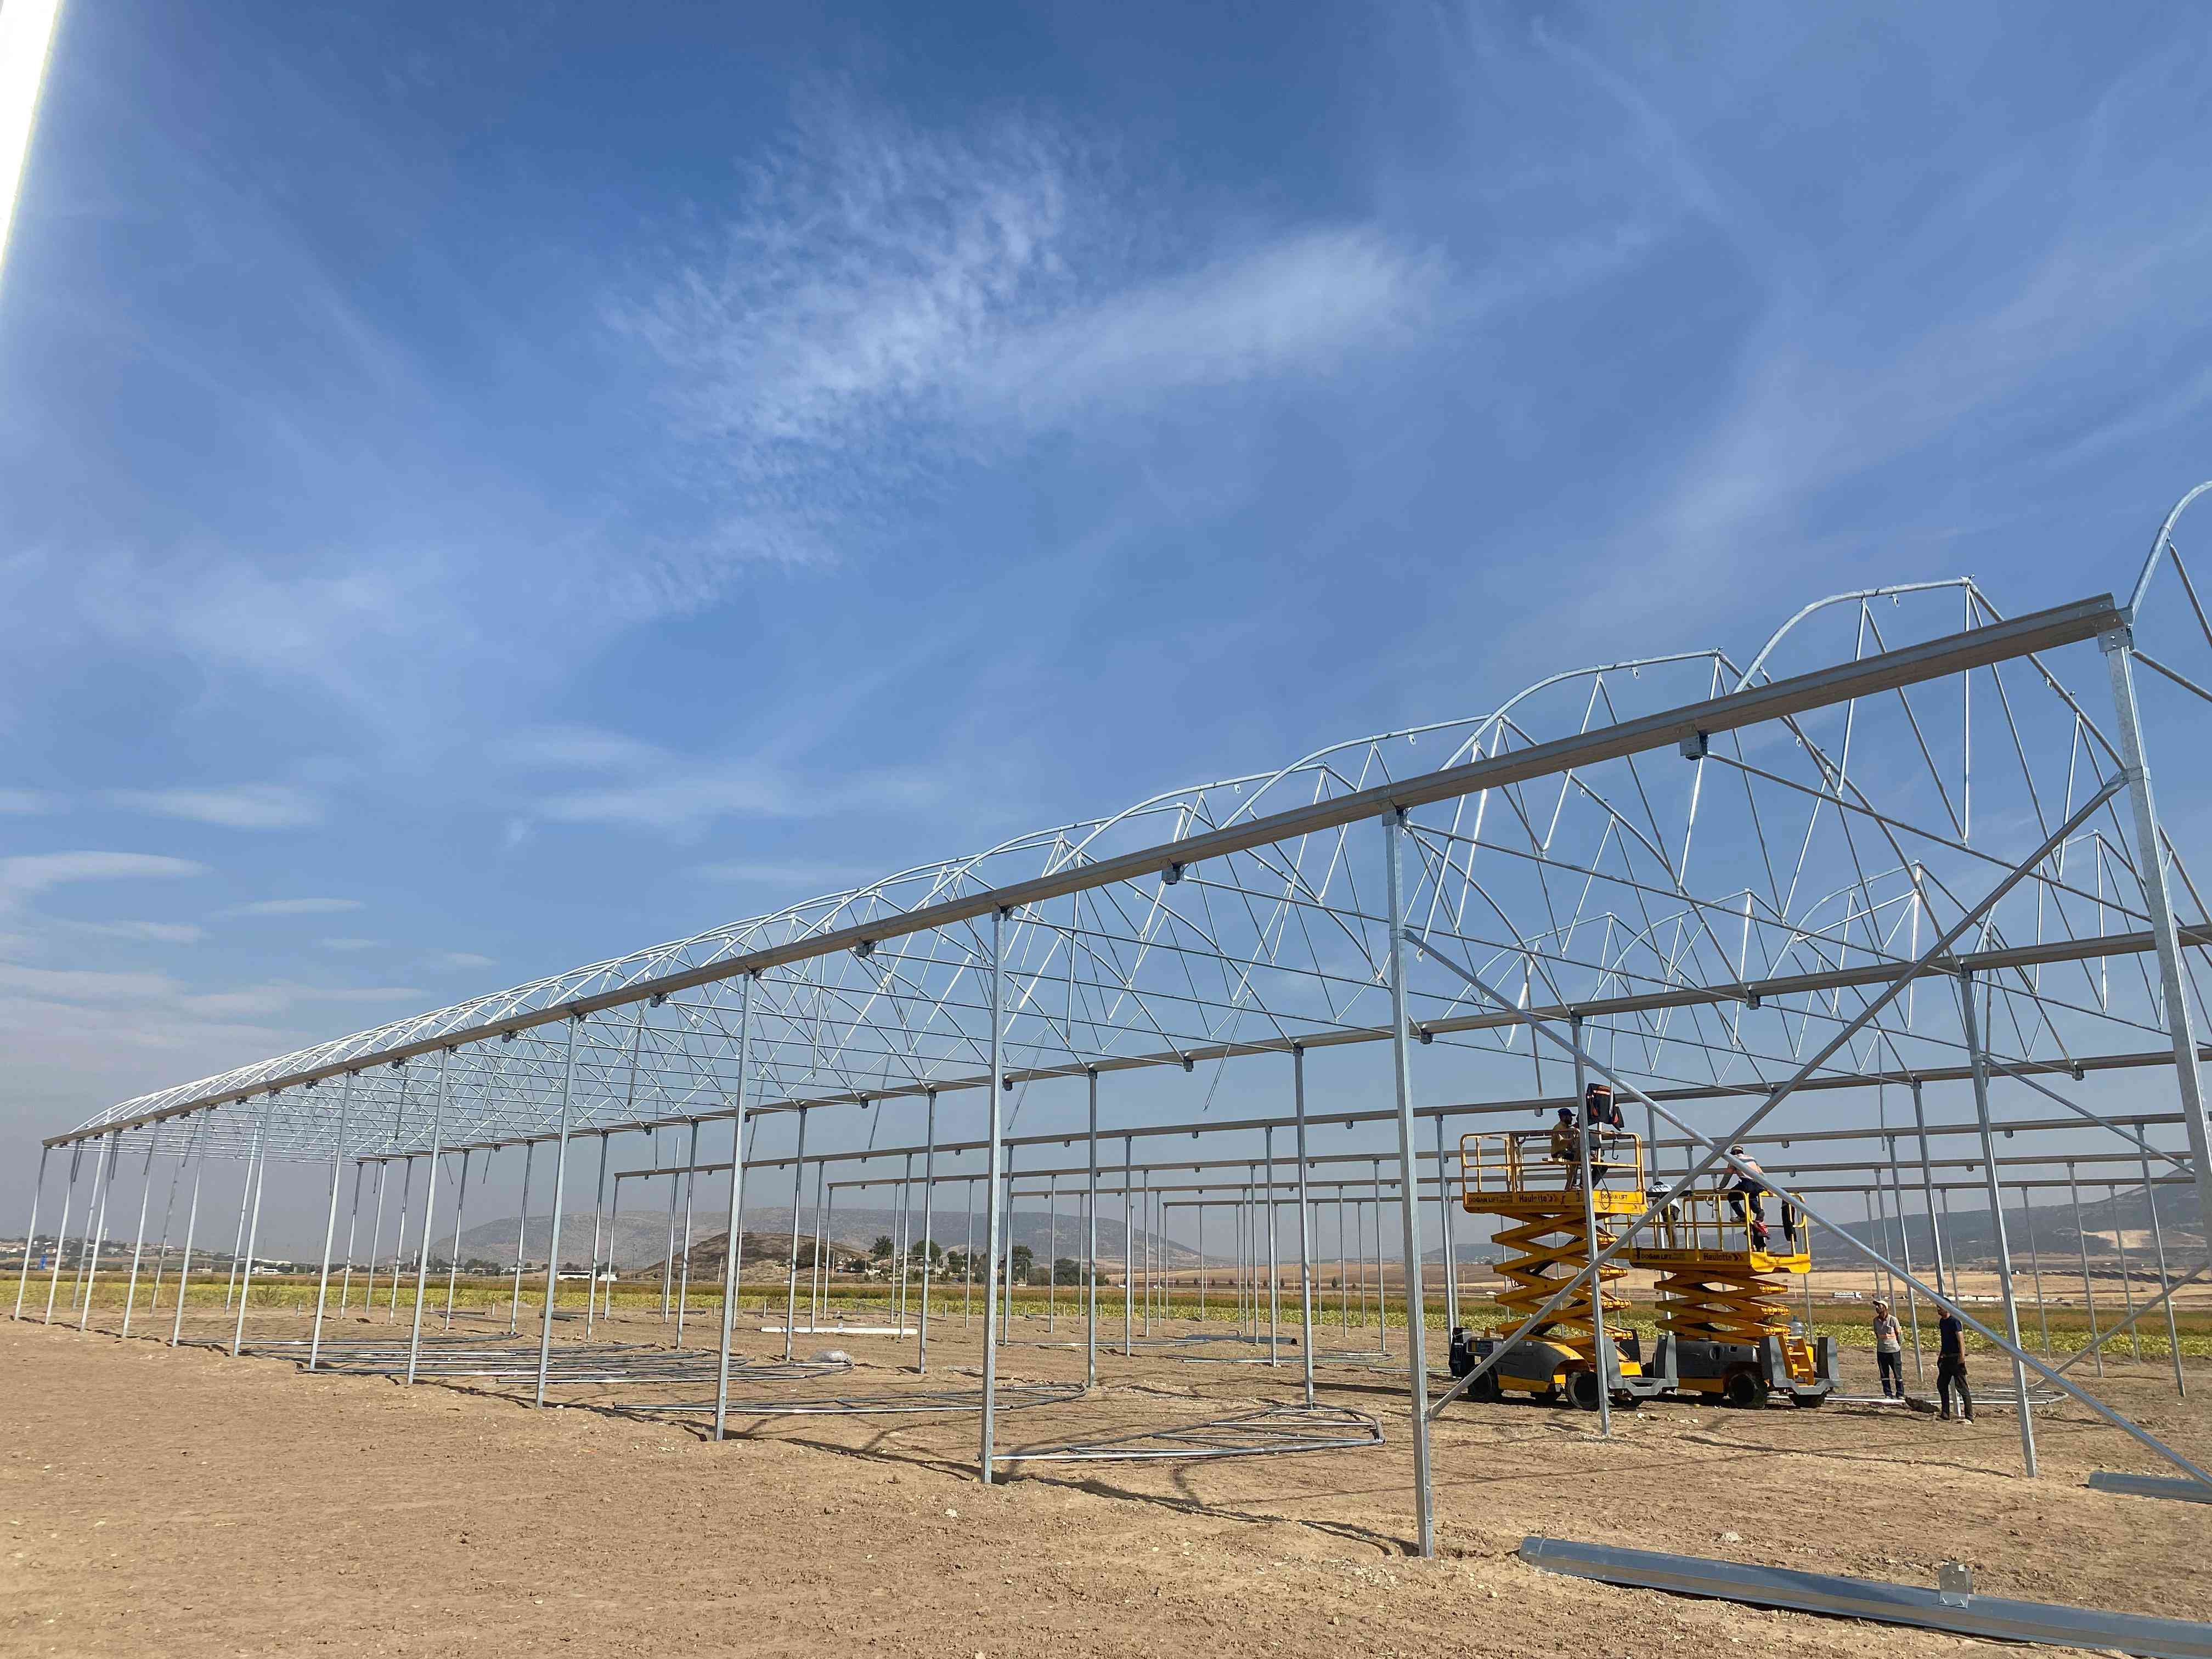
(1701, 880)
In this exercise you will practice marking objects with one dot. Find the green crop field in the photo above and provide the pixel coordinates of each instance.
(875, 1302)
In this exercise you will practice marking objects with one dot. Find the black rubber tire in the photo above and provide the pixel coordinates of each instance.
(1583, 1391)
(1806, 1402)
(1485, 1389)
(1743, 1391)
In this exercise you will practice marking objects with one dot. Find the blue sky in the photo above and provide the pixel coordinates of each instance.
(487, 487)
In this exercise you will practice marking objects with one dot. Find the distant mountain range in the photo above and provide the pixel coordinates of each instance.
(2047, 1232)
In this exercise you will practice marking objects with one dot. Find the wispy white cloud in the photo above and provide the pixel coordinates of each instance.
(1296, 304)
(79, 985)
(577, 748)
(685, 798)
(146, 933)
(297, 907)
(639, 785)
(29, 803)
(791, 881)
(267, 1001)
(885, 299)
(801, 880)
(28, 874)
(349, 944)
(453, 961)
(240, 806)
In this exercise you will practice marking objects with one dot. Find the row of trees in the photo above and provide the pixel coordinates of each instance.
(954, 1264)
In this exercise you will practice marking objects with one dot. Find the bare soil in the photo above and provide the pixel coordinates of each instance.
(179, 1502)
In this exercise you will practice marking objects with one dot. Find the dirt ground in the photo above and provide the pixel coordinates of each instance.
(183, 1503)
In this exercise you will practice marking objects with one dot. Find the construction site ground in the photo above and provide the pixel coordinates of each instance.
(180, 1502)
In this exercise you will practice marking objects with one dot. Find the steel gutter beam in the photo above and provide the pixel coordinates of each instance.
(1751, 992)
(1194, 1166)
(1799, 694)
(1959, 1611)
(2082, 1064)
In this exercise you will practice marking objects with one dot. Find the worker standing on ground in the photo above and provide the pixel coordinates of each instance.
(1889, 1352)
(1951, 1366)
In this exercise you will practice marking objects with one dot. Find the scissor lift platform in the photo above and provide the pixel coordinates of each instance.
(1724, 1306)
(1534, 1178)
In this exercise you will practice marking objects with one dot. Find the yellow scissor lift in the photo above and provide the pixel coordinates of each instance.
(1724, 1305)
(1533, 1179)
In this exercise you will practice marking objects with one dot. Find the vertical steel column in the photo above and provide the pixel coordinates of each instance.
(253, 1233)
(1601, 1335)
(1199, 1207)
(1052, 1254)
(1381, 1303)
(614, 1225)
(1878, 1213)
(791, 1285)
(968, 1261)
(460, 1208)
(429, 1214)
(690, 1193)
(1808, 1279)
(928, 1229)
(1343, 1272)
(825, 1202)
(399, 1234)
(1147, 1244)
(2150, 869)
(1239, 1223)
(1904, 1247)
(818, 1273)
(559, 1196)
(598, 1209)
(353, 1227)
(244, 1200)
(1090, 1248)
(1417, 1365)
(2127, 1273)
(1013, 1226)
(376, 1236)
(1996, 1212)
(1876, 1228)
(137, 1250)
(1128, 1244)
(31, 1232)
(1274, 1273)
(1452, 1242)
(192, 1219)
(2158, 1243)
(733, 1256)
(1927, 1195)
(902, 1241)
(103, 1184)
(331, 1224)
(995, 1166)
(2081, 1247)
(1359, 1254)
(668, 1263)
(2034, 1266)
(162, 1251)
(521, 1235)
(1305, 1220)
